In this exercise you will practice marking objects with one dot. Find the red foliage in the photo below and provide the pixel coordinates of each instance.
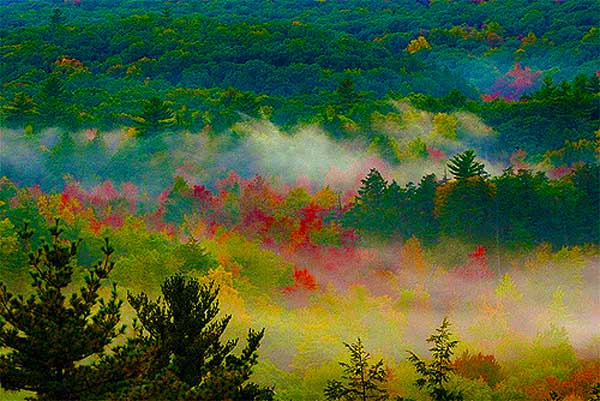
(202, 194)
(558, 172)
(436, 155)
(479, 366)
(577, 384)
(517, 160)
(477, 267)
(114, 220)
(73, 190)
(490, 97)
(513, 84)
(103, 194)
(257, 220)
(303, 280)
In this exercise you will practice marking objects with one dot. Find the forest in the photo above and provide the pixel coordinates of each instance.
(300, 200)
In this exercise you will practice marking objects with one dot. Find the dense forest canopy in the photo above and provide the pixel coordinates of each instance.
(288, 197)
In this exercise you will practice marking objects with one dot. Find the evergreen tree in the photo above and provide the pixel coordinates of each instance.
(463, 165)
(435, 374)
(178, 352)
(373, 188)
(57, 17)
(53, 102)
(367, 212)
(49, 333)
(20, 110)
(361, 380)
(346, 92)
(156, 115)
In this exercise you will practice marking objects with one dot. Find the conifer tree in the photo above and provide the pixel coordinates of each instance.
(463, 165)
(435, 374)
(156, 115)
(361, 380)
(50, 332)
(178, 352)
(367, 212)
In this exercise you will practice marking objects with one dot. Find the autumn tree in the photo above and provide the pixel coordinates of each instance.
(361, 380)
(48, 334)
(435, 374)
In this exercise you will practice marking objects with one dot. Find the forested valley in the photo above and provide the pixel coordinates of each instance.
(300, 200)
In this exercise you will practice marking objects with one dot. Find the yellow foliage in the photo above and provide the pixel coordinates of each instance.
(441, 196)
(529, 40)
(133, 70)
(412, 255)
(506, 289)
(9, 242)
(48, 206)
(131, 131)
(229, 297)
(445, 125)
(417, 45)
(326, 198)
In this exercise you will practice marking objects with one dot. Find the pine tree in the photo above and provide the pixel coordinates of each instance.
(49, 333)
(435, 374)
(463, 165)
(156, 115)
(367, 211)
(362, 381)
(53, 105)
(178, 352)
(373, 187)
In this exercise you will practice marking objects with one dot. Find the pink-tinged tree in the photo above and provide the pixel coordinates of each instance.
(477, 267)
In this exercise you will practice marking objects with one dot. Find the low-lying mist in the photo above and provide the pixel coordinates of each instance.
(306, 154)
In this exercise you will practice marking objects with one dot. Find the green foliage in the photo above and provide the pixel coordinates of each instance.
(21, 110)
(57, 17)
(467, 210)
(50, 333)
(179, 341)
(435, 374)
(463, 165)
(299, 62)
(194, 256)
(156, 115)
(361, 380)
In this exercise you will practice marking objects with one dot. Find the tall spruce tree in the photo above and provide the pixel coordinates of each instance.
(48, 334)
